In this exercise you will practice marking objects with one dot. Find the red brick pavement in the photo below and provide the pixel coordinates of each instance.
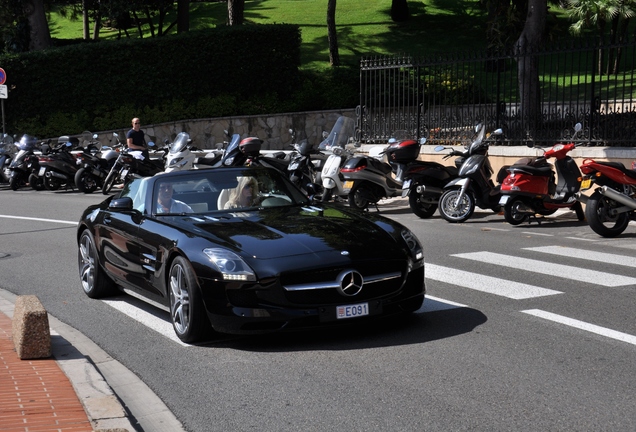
(35, 395)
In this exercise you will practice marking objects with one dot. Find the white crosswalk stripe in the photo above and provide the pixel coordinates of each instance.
(488, 284)
(585, 254)
(547, 268)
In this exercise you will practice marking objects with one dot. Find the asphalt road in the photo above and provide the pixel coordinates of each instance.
(525, 328)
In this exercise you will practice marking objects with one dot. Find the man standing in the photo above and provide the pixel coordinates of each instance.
(135, 138)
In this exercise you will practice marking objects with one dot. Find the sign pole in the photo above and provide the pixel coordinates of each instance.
(3, 95)
(3, 129)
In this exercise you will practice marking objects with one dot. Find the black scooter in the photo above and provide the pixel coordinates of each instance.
(473, 185)
(24, 165)
(58, 165)
(7, 150)
(94, 162)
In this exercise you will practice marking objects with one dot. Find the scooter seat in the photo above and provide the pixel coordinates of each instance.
(545, 170)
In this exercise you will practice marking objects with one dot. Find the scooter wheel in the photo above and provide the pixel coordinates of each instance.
(602, 218)
(51, 184)
(454, 210)
(512, 214)
(358, 197)
(36, 182)
(85, 181)
(14, 183)
(420, 208)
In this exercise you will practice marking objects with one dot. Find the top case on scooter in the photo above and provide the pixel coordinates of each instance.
(403, 151)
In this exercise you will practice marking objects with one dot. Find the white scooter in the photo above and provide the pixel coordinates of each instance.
(181, 156)
(335, 142)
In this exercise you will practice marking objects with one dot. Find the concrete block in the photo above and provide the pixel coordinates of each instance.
(30, 328)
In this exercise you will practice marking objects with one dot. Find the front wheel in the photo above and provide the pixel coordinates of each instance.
(513, 213)
(94, 282)
(85, 181)
(111, 179)
(421, 207)
(14, 182)
(186, 307)
(601, 215)
(453, 209)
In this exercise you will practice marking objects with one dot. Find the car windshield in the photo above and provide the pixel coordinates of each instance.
(213, 190)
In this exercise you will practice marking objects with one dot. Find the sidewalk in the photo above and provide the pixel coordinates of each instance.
(80, 388)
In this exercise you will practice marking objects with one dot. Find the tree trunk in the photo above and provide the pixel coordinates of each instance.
(399, 10)
(85, 24)
(235, 12)
(183, 16)
(40, 35)
(97, 25)
(334, 57)
(528, 63)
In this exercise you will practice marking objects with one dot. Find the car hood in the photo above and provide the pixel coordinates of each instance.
(289, 231)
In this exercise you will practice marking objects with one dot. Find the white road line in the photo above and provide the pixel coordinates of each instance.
(487, 284)
(39, 219)
(582, 325)
(432, 304)
(160, 326)
(537, 233)
(582, 239)
(546, 268)
(584, 254)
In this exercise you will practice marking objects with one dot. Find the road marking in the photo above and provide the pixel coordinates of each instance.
(582, 325)
(582, 239)
(487, 284)
(537, 233)
(584, 254)
(551, 269)
(433, 304)
(149, 320)
(39, 219)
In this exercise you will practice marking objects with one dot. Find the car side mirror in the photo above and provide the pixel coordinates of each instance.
(121, 204)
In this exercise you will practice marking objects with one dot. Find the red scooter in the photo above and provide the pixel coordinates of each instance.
(531, 187)
(612, 205)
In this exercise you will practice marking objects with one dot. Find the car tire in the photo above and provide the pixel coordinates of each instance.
(94, 282)
(187, 312)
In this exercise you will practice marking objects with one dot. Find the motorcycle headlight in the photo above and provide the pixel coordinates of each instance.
(230, 265)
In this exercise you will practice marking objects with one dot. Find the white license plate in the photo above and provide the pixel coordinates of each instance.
(42, 171)
(352, 311)
(124, 173)
(406, 184)
(504, 199)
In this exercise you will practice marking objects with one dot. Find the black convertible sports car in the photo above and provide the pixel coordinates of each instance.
(244, 251)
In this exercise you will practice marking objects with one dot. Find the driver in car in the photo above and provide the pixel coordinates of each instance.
(167, 204)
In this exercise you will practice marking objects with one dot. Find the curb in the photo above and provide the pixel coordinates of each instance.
(113, 397)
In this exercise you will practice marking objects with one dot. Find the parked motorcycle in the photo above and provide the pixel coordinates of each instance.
(335, 144)
(57, 165)
(24, 165)
(181, 155)
(369, 178)
(132, 163)
(424, 182)
(473, 185)
(531, 187)
(94, 162)
(305, 165)
(613, 203)
(7, 150)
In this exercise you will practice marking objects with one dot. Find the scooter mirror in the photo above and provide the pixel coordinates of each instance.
(325, 134)
(422, 141)
(151, 144)
(439, 148)
(498, 131)
(530, 144)
(578, 127)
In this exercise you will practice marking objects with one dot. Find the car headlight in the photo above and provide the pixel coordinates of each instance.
(230, 265)
(417, 253)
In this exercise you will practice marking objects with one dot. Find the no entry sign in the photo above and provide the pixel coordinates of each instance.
(3, 76)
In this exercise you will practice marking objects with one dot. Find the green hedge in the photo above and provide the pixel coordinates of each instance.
(226, 71)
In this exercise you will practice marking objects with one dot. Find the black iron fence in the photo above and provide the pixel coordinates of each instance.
(444, 97)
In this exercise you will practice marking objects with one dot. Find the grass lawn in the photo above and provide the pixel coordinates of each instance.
(364, 26)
